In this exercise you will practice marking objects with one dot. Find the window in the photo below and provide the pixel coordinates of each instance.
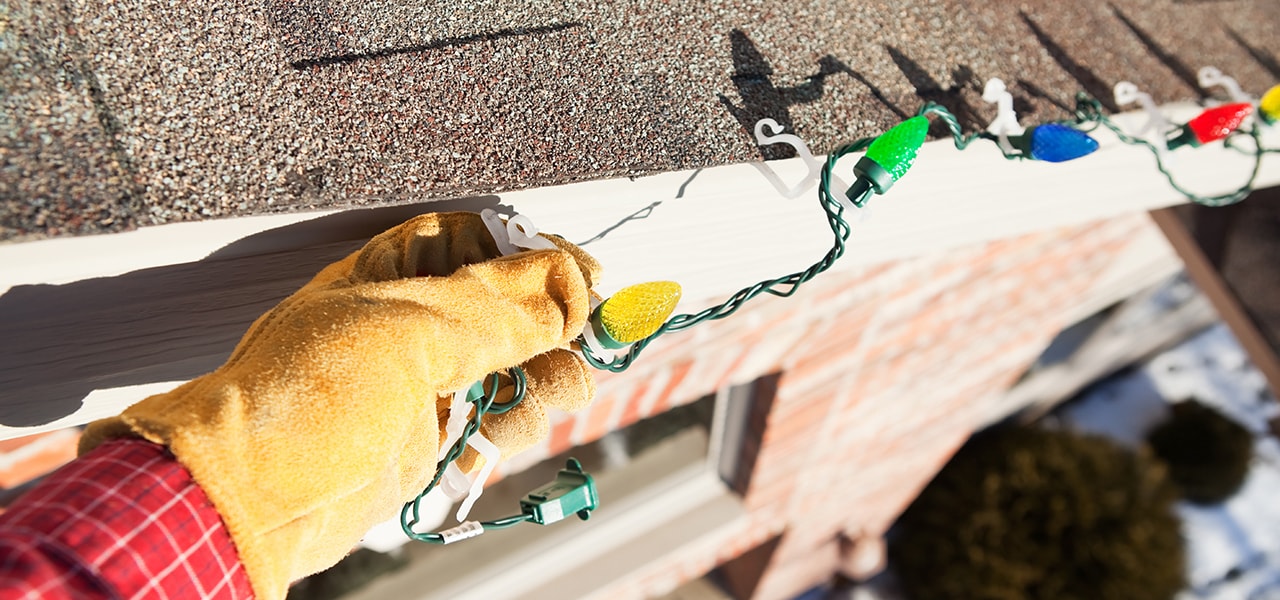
(659, 488)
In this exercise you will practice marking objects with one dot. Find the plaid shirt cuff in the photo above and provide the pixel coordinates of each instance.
(123, 521)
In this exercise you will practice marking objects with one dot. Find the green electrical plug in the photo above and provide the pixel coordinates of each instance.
(573, 491)
(888, 159)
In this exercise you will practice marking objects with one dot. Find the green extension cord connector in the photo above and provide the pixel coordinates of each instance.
(573, 491)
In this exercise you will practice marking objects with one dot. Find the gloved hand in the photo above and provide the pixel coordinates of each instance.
(328, 414)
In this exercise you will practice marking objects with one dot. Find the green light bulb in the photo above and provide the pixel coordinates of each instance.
(887, 159)
(896, 149)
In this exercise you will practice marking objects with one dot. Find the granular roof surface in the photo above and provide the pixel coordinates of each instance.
(124, 114)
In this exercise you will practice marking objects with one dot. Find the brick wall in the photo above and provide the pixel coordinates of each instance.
(884, 372)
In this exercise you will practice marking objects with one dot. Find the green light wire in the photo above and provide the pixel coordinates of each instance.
(484, 405)
(1088, 117)
(1258, 149)
(1089, 113)
(788, 284)
(782, 286)
(961, 140)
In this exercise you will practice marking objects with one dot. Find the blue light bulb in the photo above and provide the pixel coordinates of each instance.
(1057, 143)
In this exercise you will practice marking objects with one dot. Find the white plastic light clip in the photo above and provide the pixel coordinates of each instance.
(1127, 93)
(802, 150)
(776, 136)
(1211, 76)
(515, 235)
(455, 484)
(1006, 121)
(498, 230)
(523, 233)
(459, 411)
(491, 456)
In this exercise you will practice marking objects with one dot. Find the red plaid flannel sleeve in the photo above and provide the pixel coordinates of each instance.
(123, 521)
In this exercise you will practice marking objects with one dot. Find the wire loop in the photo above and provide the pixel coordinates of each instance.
(1089, 113)
(484, 405)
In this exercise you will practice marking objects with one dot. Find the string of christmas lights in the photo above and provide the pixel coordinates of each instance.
(635, 316)
(1213, 124)
(484, 401)
(887, 159)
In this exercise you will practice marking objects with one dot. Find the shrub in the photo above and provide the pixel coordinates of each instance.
(1207, 453)
(1030, 514)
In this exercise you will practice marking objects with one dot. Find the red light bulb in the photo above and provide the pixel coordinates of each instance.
(1212, 125)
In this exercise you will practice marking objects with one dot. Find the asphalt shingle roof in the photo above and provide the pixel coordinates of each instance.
(118, 115)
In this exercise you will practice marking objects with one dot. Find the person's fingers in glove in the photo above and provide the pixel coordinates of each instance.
(430, 245)
(557, 379)
(324, 419)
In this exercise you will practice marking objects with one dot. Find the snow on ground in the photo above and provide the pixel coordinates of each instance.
(1233, 549)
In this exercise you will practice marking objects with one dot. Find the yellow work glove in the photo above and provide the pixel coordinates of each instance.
(327, 416)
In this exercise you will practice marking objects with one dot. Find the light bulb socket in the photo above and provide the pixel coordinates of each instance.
(1185, 137)
(1022, 143)
(475, 392)
(875, 175)
(857, 194)
(597, 330)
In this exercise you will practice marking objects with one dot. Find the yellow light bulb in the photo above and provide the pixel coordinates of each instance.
(1270, 105)
(636, 311)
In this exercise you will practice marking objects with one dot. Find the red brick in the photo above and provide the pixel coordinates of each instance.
(742, 352)
(950, 330)
(12, 444)
(632, 412)
(824, 299)
(667, 397)
(561, 436)
(769, 494)
(596, 421)
(833, 339)
(805, 571)
(803, 421)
